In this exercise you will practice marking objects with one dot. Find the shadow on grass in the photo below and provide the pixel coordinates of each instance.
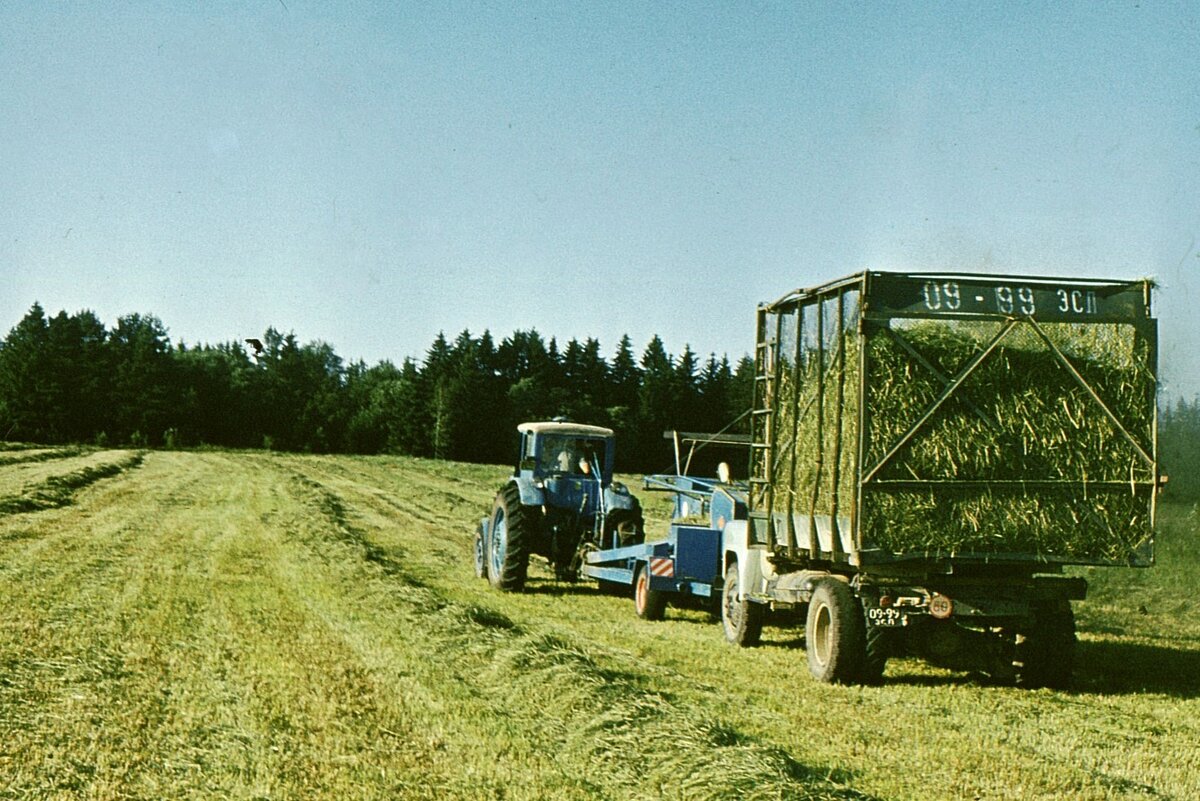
(1105, 668)
(1132, 668)
(559, 588)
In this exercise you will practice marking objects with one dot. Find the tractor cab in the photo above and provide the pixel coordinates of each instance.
(570, 466)
(565, 449)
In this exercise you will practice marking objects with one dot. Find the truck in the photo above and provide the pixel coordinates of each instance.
(560, 501)
(929, 454)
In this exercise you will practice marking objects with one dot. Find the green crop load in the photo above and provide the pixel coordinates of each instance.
(1020, 459)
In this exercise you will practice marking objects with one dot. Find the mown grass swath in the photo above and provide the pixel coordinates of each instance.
(49, 478)
(247, 625)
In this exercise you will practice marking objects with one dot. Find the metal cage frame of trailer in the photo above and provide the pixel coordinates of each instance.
(865, 304)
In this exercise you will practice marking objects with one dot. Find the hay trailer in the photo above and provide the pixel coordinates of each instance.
(929, 452)
(560, 502)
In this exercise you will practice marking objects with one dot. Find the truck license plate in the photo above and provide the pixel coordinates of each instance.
(878, 616)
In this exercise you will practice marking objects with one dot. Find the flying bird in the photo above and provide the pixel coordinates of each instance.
(257, 345)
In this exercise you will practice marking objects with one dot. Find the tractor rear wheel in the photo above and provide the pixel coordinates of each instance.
(623, 527)
(835, 634)
(742, 620)
(1045, 650)
(649, 604)
(507, 547)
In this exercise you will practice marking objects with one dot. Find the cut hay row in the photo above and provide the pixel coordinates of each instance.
(590, 706)
(22, 455)
(210, 625)
(29, 487)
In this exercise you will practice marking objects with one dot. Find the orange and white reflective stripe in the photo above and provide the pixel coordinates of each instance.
(662, 566)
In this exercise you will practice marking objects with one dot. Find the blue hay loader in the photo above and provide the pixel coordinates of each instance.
(687, 563)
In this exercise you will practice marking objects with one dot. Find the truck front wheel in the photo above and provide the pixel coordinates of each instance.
(835, 634)
(743, 620)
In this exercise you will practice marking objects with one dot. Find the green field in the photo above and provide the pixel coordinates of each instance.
(254, 626)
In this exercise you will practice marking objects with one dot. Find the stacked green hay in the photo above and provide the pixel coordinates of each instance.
(1020, 416)
(805, 428)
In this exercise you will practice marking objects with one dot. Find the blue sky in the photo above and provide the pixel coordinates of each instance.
(371, 173)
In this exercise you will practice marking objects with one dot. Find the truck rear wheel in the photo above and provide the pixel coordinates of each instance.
(1045, 651)
(508, 557)
(649, 604)
(835, 634)
(880, 643)
(742, 620)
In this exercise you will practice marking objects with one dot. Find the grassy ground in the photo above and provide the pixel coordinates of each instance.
(209, 625)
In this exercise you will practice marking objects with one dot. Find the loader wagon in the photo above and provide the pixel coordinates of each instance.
(928, 452)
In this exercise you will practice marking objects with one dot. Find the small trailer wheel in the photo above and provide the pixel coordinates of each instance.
(649, 604)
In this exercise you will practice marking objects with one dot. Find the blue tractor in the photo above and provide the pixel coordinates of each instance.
(560, 503)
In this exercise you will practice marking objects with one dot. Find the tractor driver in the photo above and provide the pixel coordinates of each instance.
(562, 456)
(574, 456)
(586, 453)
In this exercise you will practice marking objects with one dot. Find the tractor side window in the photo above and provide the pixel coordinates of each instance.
(589, 459)
(528, 462)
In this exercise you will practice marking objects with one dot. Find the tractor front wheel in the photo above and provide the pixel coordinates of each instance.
(507, 547)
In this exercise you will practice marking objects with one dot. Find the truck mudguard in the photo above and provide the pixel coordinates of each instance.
(736, 546)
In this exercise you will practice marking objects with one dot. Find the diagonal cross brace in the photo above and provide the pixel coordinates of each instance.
(1070, 368)
(962, 376)
(936, 373)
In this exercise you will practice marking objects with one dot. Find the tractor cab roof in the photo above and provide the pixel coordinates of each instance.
(565, 429)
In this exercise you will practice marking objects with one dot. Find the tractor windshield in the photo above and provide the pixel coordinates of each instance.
(575, 455)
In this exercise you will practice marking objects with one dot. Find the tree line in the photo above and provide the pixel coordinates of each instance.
(1179, 448)
(69, 379)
